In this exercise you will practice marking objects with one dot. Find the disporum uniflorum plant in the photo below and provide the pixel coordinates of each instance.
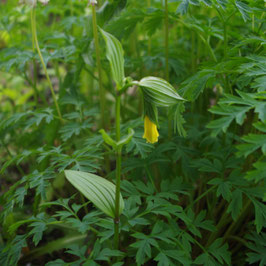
(132, 132)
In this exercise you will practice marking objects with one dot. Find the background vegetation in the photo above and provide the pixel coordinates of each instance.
(197, 197)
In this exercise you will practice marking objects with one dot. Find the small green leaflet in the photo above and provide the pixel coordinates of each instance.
(143, 246)
(194, 85)
(235, 206)
(98, 190)
(139, 146)
(257, 245)
(222, 3)
(259, 173)
(114, 53)
(252, 143)
(260, 214)
(217, 250)
(183, 7)
(244, 9)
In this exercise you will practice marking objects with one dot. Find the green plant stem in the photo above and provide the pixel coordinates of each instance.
(262, 22)
(225, 40)
(117, 116)
(71, 8)
(239, 239)
(84, 203)
(224, 22)
(225, 43)
(201, 196)
(166, 51)
(118, 173)
(34, 31)
(98, 61)
(193, 58)
(150, 177)
(225, 53)
(223, 221)
(149, 37)
(34, 84)
(36, 204)
(101, 87)
(209, 47)
(200, 188)
(166, 38)
(235, 223)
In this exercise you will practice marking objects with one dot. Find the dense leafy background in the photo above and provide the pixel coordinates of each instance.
(196, 198)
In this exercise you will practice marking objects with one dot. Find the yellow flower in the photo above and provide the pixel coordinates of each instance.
(150, 131)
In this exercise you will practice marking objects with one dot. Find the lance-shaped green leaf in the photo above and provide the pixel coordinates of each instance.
(114, 53)
(98, 190)
(159, 92)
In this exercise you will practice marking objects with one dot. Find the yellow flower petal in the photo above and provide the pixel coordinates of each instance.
(150, 131)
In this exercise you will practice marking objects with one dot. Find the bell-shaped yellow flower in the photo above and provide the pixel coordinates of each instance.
(150, 131)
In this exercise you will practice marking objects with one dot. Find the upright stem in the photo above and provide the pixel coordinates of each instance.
(166, 47)
(149, 37)
(117, 116)
(253, 22)
(71, 8)
(226, 55)
(118, 173)
(209, 48)
(225, 21)
(34, 71)
(225, 40)
(193, 45)
(200, 197)
(234, 224)
(98, 61)
(34, 32)
(166, 37)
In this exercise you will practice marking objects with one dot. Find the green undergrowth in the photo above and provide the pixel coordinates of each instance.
(195, 197)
